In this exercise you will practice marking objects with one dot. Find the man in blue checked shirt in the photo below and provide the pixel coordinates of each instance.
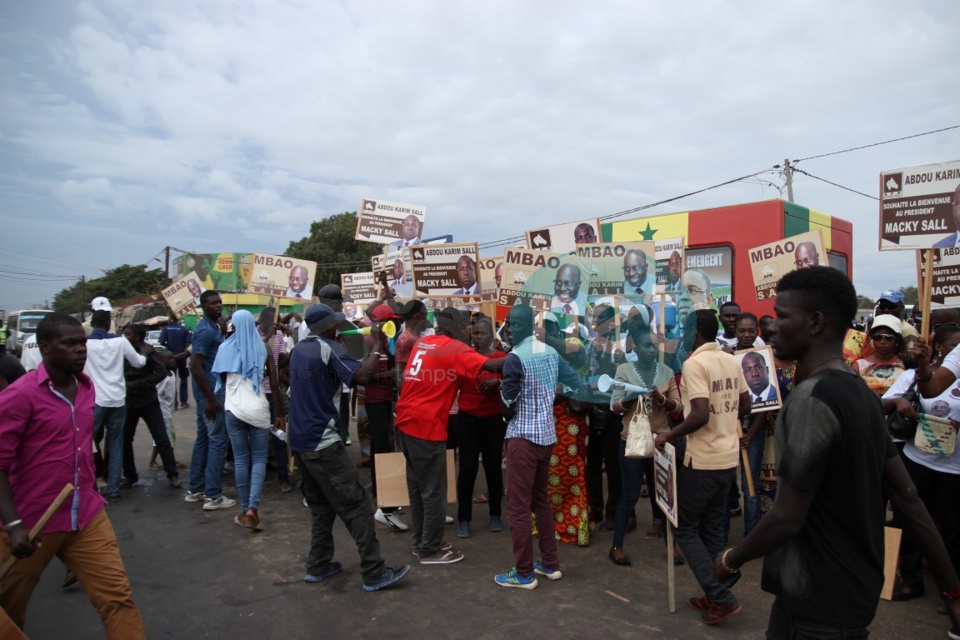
(530, 377)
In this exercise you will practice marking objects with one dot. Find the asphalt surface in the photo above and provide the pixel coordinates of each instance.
(195, 574)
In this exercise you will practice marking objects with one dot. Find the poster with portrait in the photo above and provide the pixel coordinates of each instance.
(760, 372)
(564, 238)
(282, 277)
(665, 474)
(669, 256)
(396, 261)
(225, 272)
(920, 207)
(491, 274)
(391, 223)
(618, 268)
(770, 262)
(528, 277)
(446, 269)
(945, 286)
(183, 295)
(361, 289)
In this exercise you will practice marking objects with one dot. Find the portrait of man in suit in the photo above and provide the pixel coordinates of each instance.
(467, 276)
(756, 371)
(952, 240)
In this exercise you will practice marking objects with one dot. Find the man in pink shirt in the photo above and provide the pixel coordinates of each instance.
(46, 441)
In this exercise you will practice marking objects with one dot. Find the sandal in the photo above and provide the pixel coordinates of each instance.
(481, 498)
(652, 534)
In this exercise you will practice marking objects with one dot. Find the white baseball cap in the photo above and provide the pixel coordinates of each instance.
(888, 321)
(101, 304)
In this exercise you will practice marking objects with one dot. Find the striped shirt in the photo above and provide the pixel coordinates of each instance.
(530, 375)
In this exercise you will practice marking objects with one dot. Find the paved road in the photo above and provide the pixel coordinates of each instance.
(197, 575)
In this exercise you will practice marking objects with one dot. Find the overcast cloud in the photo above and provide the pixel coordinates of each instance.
(230, 126)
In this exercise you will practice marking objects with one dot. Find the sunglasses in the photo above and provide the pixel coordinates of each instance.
(883, 337)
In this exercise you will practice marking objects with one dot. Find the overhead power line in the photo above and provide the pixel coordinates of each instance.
(877, 144)
(839, 186)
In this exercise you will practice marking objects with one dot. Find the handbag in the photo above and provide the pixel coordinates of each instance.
(639, 436)
(935, 435)
(905, 428)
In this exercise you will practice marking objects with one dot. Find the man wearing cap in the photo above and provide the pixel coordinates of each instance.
(106, 353)
(210, 447)
(430, 384)
(319, 367)
(329, 295)
(891, 302)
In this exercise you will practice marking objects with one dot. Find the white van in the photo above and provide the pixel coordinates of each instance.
(22, 324)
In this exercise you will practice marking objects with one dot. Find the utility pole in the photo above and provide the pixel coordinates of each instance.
(82, 293)
(166, 263)
(788, 172)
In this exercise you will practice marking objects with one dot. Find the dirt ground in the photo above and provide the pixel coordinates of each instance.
(195, 574)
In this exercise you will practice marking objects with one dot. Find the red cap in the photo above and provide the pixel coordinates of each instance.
(383, 312)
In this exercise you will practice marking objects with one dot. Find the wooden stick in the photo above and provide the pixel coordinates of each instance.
(746, 464)
(37, 528)
(671, 571)
(925, 295)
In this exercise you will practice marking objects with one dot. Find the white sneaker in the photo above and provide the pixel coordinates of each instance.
(348, 441)
(223, 502)
(449, 520)
(392, 520)
(194, 496)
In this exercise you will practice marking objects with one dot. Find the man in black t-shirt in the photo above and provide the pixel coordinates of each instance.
(823, 539)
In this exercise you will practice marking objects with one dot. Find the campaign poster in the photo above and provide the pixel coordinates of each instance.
(224, 272)
(362, 291)
(391, 223)
(669, 257)
(920, 207)
(665, 472)
(618, 268)
(183, 295)
(491, 273)
(282, 277)
(945, 287)
(564, 238)
(446, 269)
(396, 262)
(528, 278)
(770, 262)
(760, 372)
(707, 278)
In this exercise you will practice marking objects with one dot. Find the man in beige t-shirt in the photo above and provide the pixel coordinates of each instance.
(713, 389)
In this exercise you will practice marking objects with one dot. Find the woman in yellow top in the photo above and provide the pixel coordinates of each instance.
(663, 398)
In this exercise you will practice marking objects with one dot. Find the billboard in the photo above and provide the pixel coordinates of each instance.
(920, 207)
(282, 277)
(220, 271)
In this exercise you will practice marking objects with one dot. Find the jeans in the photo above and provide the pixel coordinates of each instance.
(605, 429)
(632, 471)
(783, 626)
(332, 488)
(183, 373)
(480, 435)
(153, 416)
(702, 495)
(111, 419)
(528, 467)
(280, 458)
(209, 451)
(427, 488)
(249, 459)
(751, 505)
(94, 558)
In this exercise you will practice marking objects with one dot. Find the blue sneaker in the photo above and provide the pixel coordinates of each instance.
(543, 570)
(513, 579)
(387, 577)
(332, 569)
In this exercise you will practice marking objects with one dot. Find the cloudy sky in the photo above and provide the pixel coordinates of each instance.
(127, 126)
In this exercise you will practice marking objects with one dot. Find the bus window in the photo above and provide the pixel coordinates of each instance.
(837, 261)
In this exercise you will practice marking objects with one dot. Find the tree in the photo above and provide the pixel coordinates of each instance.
(332, 246)
(863, 302)
(117, 285)
(910, 295)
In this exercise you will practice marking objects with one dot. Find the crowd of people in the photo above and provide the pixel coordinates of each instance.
(524, 401)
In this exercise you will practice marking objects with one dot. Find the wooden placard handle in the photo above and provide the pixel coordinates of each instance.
(37, 528)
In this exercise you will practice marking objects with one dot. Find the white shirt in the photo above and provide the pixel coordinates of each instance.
(558, 305)
(167, 395)
(732, 342)
(946, 405)
(30, 356)
(105, 358)
(303, 295)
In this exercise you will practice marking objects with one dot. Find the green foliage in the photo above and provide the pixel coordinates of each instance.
(118, 285)
(910, 294)
(332, 246)
(863, 302)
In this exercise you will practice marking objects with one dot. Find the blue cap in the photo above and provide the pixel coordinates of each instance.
(320, 317)
(896, 297)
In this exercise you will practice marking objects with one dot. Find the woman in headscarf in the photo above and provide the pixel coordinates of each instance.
(240, 363)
